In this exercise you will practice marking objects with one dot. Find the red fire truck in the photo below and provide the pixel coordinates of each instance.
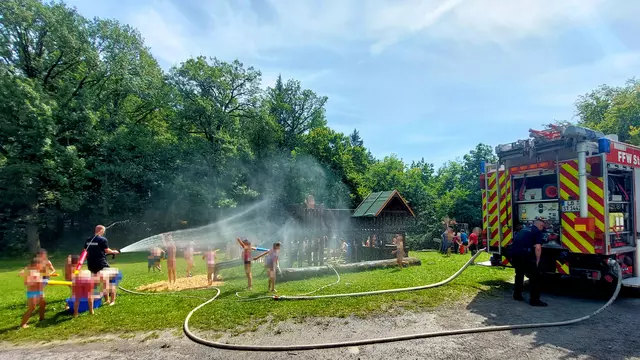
(583, 185)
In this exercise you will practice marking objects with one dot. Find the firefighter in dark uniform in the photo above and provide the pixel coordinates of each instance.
(525, 258)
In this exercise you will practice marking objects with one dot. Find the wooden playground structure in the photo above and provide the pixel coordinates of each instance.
(346, 235)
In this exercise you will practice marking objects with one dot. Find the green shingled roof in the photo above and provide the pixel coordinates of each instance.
(375, 202)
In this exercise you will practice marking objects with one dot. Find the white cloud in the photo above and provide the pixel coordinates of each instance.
(400, 19)
(236, 30)
(502, 21)
(561, 87)
(163, 34)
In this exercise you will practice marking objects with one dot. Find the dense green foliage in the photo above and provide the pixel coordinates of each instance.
(613, 110)
(92, 130)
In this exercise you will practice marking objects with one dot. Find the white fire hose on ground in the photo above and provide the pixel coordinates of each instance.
(282, 348)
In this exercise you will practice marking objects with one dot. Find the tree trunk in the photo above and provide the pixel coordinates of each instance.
(105, 202)
(60, 228)
(33, 237)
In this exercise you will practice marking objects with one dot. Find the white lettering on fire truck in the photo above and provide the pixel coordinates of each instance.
(631, 159)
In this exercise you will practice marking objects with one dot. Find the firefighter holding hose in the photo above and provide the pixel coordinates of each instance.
(97, 248)
(525, 252)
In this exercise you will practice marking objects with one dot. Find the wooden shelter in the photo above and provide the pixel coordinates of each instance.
(374, 223)
(368, 230)
(384, 212)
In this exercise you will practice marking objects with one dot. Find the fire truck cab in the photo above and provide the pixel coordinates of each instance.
(583, 185)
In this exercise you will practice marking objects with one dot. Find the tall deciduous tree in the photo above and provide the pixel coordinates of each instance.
(296, 110)
(612, 110)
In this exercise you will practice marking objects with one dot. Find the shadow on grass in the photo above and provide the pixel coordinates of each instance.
(568, 299)
(57, 319)
(22, 305)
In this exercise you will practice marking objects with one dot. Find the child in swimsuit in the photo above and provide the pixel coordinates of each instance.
(246, 257)
(272, 265)
(158, 255)
(47, 268)
(82, 288)
(150, 261)
(110, 278)
(35, 291)
(171, 257)
(210, 256)
(72, 262)
(188, 256)
(69, 268)
(399, 251)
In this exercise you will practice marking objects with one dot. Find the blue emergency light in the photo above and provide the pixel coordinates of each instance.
(604, 145)
(482, 166)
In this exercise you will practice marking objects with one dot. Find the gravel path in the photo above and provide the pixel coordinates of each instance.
(611, 335)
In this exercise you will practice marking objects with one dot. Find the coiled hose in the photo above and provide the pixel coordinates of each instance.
(281, 348)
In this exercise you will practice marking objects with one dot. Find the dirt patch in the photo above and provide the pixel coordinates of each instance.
(194, 282)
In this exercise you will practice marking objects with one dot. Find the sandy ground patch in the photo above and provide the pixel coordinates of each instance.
(194, 282)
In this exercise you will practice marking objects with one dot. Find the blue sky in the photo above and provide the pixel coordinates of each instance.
(418, 78)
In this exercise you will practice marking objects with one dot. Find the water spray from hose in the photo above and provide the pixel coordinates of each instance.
(242, 222)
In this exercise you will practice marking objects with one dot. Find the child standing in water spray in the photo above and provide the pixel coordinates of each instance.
(158, 256)
(271, 264)
(210, 257)
(171, 256)
(188, 256)
(246, 257)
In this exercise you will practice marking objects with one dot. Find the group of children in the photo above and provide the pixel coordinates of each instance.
(83, 285)
(460, 242)
(271, 263)
(156, 254)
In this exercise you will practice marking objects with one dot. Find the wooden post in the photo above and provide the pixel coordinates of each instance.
(321, 250)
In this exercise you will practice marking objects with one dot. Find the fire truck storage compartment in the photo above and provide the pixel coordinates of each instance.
(528, 212)
(619, 196)
(535, 196)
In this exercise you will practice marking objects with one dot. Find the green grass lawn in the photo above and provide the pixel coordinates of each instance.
(158, 312)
